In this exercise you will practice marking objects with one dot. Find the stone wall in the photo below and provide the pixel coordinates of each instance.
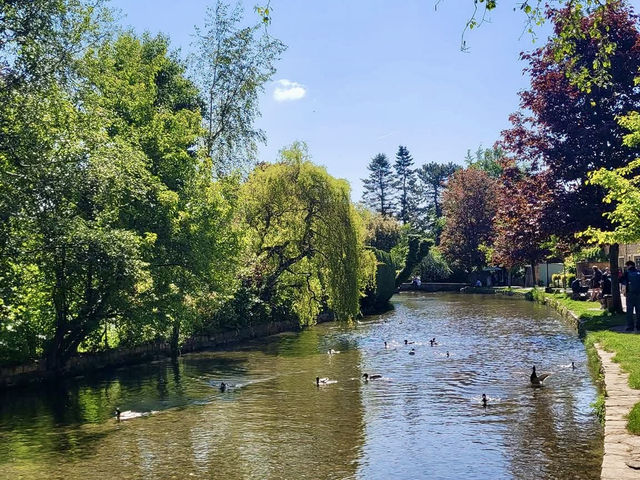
(36, 371)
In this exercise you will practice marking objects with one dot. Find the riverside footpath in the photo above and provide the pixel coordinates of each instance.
(621, 458)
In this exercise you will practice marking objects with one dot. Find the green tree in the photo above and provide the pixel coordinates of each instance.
(432, 179)
(382, 232)
(488, 160)
(231, 66)
(305, 240)
(469, 205)
(404, 184)
(378, 186)
(156, 108)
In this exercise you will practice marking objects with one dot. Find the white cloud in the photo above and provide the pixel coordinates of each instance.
(288, 91)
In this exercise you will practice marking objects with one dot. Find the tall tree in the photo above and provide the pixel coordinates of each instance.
(469, 205)
(378, 186)
(231, 67)
(571, 130)
(305, 240)
(432, 179)
(524, 218)
(405, 184)
(486, 159)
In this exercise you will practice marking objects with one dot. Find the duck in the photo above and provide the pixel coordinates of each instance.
(447, 353)
(407, 342)
(412, 352)
(536, 380)
(385, 345)
(223, 386)
(321, 381)
(128, 414)
(573, 366)
(484, 400)
(368, 377)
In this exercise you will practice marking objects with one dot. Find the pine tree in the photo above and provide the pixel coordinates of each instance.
(432, 179)
(404, 184)
(378, 186)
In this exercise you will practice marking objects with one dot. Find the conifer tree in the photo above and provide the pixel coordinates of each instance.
(378, 186)
(404, 184)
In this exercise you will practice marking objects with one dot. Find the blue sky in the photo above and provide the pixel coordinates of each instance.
(376, 74)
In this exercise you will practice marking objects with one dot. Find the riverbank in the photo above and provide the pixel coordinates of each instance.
(89, 362)
(617, 360)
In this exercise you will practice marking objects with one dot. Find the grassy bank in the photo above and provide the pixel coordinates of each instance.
(596, 325)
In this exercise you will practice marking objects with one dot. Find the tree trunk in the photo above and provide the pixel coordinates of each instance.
(614, 251)
(175, 338)
(533, 274)
(54, 354)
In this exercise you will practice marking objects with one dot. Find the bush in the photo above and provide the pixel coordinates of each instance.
(568, 279)
(434, 267)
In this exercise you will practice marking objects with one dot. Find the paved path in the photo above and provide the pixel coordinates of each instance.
(621, 459)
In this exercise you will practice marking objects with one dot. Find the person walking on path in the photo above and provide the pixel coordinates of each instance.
(631, 279)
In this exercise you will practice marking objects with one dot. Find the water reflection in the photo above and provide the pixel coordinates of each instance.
(423, 419)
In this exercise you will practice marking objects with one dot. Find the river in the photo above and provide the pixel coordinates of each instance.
(423, 419)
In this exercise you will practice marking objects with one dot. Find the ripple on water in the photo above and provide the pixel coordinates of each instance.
(424, 419)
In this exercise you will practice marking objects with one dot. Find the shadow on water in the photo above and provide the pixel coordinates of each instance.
(423, 419)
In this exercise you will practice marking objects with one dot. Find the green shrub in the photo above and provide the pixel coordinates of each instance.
(568, 279)
(434, 268)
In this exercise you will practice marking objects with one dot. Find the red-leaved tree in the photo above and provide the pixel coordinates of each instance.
(524, 218)
(568, 131)
(469, 204)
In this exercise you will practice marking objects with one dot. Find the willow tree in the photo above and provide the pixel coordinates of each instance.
(304, 239)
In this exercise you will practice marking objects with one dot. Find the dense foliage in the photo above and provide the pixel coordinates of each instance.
(469, 206)
(117, 223)
(378, 186)
(304, 238)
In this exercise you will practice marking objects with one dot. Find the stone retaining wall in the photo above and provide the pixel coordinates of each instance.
(33, 372)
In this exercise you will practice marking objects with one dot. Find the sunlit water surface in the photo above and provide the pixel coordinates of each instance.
(424, 419)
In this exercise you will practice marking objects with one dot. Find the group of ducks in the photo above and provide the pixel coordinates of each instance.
(535, 379)
(366, 376)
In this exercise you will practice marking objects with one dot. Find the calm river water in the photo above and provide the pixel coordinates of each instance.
(424, 419)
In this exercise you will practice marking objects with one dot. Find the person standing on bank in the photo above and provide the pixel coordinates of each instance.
(631, 279)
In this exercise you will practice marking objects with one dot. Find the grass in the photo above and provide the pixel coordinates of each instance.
(592, 317)
(633, 425)
(599, 408)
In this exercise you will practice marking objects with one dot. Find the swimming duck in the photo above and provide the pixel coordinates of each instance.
(385, 345)
(223, 386)
(447, 353)
(484, 400)
(368, 377)
(573, 366)
(536, 380)
(321, 381)
(407, 342)
(129, 415)
(412, 352)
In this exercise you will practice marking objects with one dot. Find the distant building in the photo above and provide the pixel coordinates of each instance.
(629, 252)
